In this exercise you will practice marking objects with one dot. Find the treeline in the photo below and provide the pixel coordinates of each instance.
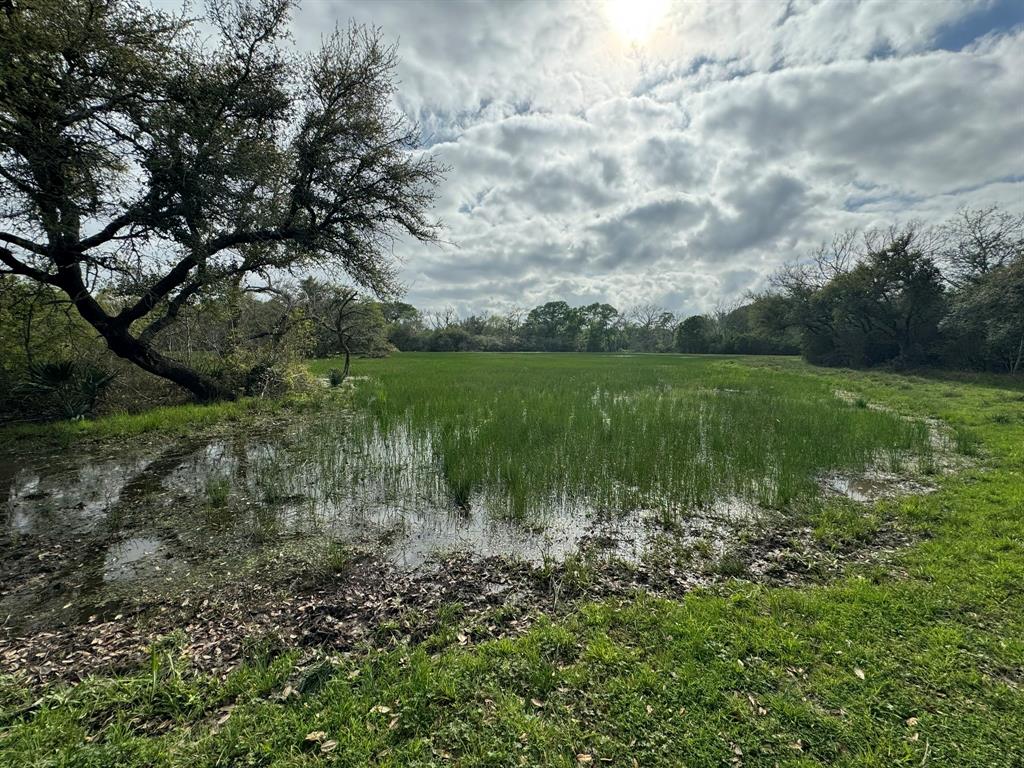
(950, 296)
(558, 327)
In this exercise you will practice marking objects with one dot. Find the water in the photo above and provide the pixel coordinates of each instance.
(85, 532)
(871, 486)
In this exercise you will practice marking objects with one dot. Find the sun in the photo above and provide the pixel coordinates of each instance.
(635, 20)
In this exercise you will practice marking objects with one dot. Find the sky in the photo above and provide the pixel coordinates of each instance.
(677, 153)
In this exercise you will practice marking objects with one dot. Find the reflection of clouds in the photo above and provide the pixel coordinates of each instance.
(74, 498)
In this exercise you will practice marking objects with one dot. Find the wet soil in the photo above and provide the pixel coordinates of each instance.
(236, 543)
(369, 602)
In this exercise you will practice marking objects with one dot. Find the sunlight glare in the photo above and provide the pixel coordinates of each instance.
(635, 20)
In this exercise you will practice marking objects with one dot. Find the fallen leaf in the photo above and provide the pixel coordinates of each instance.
(858, 672)
(583, 757)
(316, 736)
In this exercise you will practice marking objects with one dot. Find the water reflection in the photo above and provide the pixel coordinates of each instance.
(73, 498)
(125, 559)
(110, 522)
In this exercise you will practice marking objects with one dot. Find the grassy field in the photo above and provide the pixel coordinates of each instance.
(918, 663)
(665, 432)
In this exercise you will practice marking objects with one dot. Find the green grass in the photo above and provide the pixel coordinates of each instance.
(166, 420)
(670, 433)
(917, 664)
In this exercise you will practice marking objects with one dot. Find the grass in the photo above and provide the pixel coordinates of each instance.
(529, 432)
(176, 419)
(170, 420)
(917, 664)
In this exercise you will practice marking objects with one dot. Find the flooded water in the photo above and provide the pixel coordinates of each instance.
(872, 486)
(85, 531)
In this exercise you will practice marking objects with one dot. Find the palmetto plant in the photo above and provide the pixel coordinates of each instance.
(65, 388)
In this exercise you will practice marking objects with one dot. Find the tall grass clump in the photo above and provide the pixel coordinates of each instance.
(526, 433)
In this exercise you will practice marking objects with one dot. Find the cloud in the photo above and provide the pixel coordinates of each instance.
(685, 171)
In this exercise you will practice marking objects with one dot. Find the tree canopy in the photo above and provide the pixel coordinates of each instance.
(144, 165)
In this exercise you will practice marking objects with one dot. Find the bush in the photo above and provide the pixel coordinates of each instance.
(65, 389)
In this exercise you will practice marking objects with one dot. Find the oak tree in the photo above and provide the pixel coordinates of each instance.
(138, 150)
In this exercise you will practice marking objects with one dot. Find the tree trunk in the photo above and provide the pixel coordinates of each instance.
(121, 342)
(205, 388)
(348, 359)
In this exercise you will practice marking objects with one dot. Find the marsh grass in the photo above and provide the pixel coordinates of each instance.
(528, 433)
(218, 491)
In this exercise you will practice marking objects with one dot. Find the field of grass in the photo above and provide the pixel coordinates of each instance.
(918, 663)
(666, 432)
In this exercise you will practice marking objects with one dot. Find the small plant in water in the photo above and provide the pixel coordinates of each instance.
(218, 490)
(337, 557)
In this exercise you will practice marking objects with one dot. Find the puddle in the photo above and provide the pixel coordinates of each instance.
(90, 531)
(71, 498)
(132, 558)
(872, 486)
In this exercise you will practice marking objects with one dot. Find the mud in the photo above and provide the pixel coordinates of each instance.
(372, 603)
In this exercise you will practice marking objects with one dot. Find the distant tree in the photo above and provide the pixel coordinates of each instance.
(652, 328)
(987, 318)
(451, 338)
(870, 304)
(405, 325)
(695, 335)
(344, 321)
(510, 324)
(600, 326)
(476, 325)
(978, 241)
(399, 312)
(552, 327)
(132, 152)
(442, 318)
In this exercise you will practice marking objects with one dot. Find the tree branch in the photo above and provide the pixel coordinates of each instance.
(19, 268)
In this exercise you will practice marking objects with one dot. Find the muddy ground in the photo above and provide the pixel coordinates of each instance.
(369, 602)
(110, 549)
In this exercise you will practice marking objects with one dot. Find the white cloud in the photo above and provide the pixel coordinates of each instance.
(685, 172)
